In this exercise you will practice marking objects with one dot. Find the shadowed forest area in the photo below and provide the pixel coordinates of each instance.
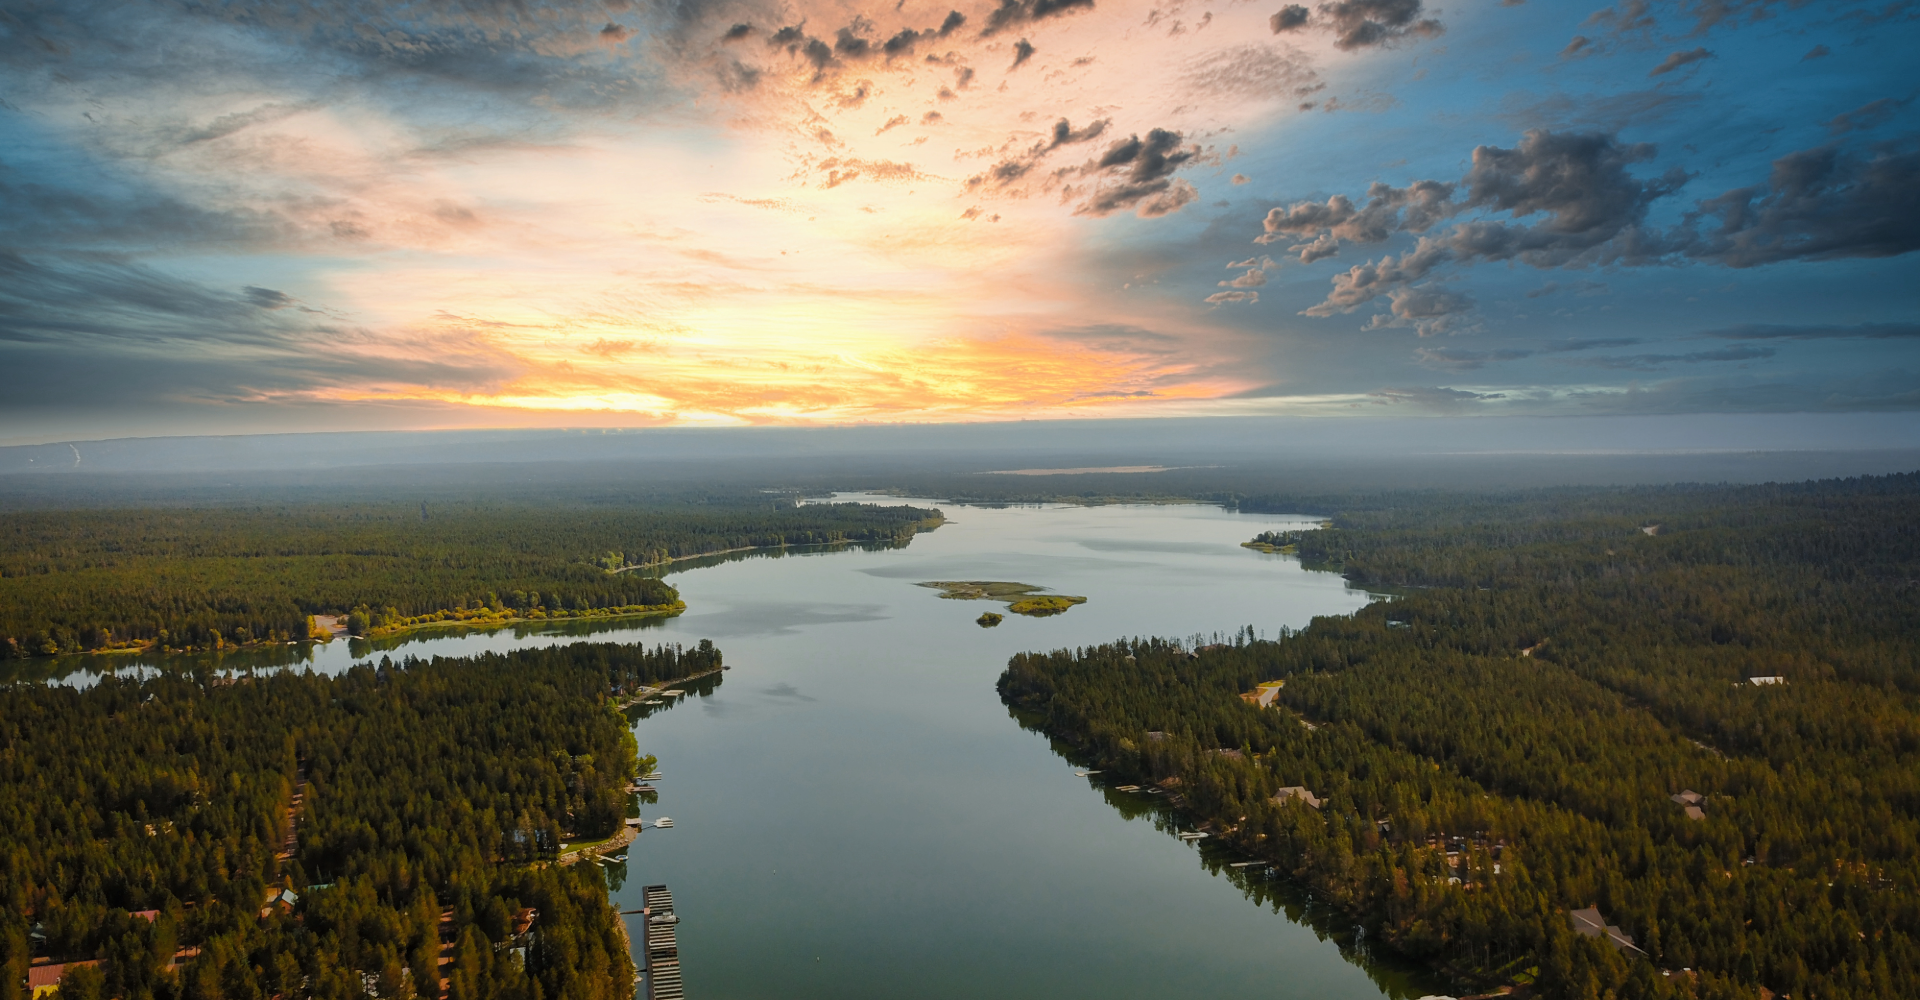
(1505, 743)
(413, 808)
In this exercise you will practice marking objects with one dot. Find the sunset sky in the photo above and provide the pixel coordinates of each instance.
(234, 217)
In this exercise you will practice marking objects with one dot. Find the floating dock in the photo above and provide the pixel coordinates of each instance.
(662, 947)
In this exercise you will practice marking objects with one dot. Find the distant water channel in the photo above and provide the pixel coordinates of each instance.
(856, 814)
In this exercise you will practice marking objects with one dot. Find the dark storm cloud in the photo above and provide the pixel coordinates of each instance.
(901, 44)
(1580, 182)
(1679, 59)
(266, 298)
(853, 43)
(1592, 208)
(1583, 206)
(1818, 204)
(1359, 24)
(849, 43)
(1137, 173)
(1867, 116)
(1013, 13)
(1022, 51)
(1292, 17)
(1864, 331)
(1015, 167)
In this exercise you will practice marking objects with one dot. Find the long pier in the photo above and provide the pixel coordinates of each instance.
(662, 947)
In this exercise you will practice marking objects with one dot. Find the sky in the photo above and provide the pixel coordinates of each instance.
(297, 215)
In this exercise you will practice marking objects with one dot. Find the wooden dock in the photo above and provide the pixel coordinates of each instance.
(662, 946)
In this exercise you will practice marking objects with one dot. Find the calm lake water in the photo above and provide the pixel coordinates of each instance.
(856, 814)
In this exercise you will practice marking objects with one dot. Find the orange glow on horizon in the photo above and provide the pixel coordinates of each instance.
(1011, 375)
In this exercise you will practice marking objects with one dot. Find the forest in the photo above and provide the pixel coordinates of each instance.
(73, 580)
(1510, 739)
(412, 809)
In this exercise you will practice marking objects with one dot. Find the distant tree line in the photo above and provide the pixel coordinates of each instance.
(1501, 745)
(434, 793)
(74, 580)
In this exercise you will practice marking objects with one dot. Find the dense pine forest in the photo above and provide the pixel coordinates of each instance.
(422, 802)
(1504, 743)
(75, 580)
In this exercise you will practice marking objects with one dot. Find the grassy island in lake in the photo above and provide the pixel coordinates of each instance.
(1021, 598)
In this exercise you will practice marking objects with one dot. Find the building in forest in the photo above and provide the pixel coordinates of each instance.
(1296, 792)
(1589, 923)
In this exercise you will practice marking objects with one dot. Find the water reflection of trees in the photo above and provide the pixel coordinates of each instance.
(1264, 884)
(699, 687)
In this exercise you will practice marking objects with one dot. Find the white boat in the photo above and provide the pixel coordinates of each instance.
(662, 823)
(1082, 774)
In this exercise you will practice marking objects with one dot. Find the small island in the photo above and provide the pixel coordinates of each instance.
(989, 620)
(1020, 598)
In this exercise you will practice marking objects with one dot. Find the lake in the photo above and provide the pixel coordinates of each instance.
(856, 814)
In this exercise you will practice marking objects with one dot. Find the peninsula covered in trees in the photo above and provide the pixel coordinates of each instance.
(293, 835)
(1695, 709)
(203, 577)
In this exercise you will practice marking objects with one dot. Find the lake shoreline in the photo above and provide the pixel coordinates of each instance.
(926, 524)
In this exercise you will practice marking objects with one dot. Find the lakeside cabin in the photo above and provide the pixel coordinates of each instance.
(1764, 681)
